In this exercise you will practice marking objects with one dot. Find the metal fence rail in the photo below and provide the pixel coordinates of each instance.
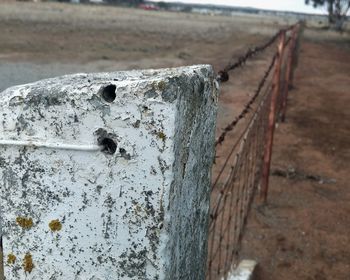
(246, 166)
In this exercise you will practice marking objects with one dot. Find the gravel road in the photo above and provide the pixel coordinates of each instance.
(12, 74)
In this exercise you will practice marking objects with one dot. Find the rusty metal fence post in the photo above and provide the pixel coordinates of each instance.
(272, 119)
(295, 55)
(289, 72)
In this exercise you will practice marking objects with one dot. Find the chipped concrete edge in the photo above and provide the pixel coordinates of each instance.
(244, 271)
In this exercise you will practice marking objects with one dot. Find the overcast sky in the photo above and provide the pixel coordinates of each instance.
(285, 5)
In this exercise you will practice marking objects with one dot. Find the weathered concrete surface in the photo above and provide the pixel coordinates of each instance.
(244, 271)
(107, 176)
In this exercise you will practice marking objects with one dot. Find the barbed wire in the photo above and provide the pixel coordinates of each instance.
(239, 174)
(235, 145)
(247, 107)
(233, 199)
(223, 75)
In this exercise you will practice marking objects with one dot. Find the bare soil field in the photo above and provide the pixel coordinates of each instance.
(82, 38)
(304, 230)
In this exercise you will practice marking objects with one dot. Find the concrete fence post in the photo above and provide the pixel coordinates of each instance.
(107, 176)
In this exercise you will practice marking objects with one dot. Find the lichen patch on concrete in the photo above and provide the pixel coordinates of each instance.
(55, 225)
(107, 175)
(25, 223)
(28, 264)
(11, 259)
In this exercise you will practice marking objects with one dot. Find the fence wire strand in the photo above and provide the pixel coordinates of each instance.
(234, 196)
(223, 75)
(238, 175)
(247, 107)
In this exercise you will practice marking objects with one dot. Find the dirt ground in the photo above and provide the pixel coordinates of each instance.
(64, 38)
(304, 230)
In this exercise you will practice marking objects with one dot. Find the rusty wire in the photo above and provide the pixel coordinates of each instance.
(232, 199)
(248, 105)
(246, 108)
(239, 174)
(239, 139)
(223, 75)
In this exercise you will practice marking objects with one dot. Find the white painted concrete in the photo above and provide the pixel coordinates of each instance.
(104, 190)
(244, 271)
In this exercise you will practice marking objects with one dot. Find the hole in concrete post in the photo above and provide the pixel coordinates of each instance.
(109, 146)
(108, 93)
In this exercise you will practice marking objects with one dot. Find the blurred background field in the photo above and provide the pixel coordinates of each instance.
(40, 40)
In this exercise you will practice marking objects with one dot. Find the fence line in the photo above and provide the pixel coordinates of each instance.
(247, 165)
(247, 107)
(223, 75)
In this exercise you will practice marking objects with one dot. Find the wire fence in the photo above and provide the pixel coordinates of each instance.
(246, 166)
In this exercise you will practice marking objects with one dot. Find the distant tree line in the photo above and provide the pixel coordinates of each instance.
(337, 11)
